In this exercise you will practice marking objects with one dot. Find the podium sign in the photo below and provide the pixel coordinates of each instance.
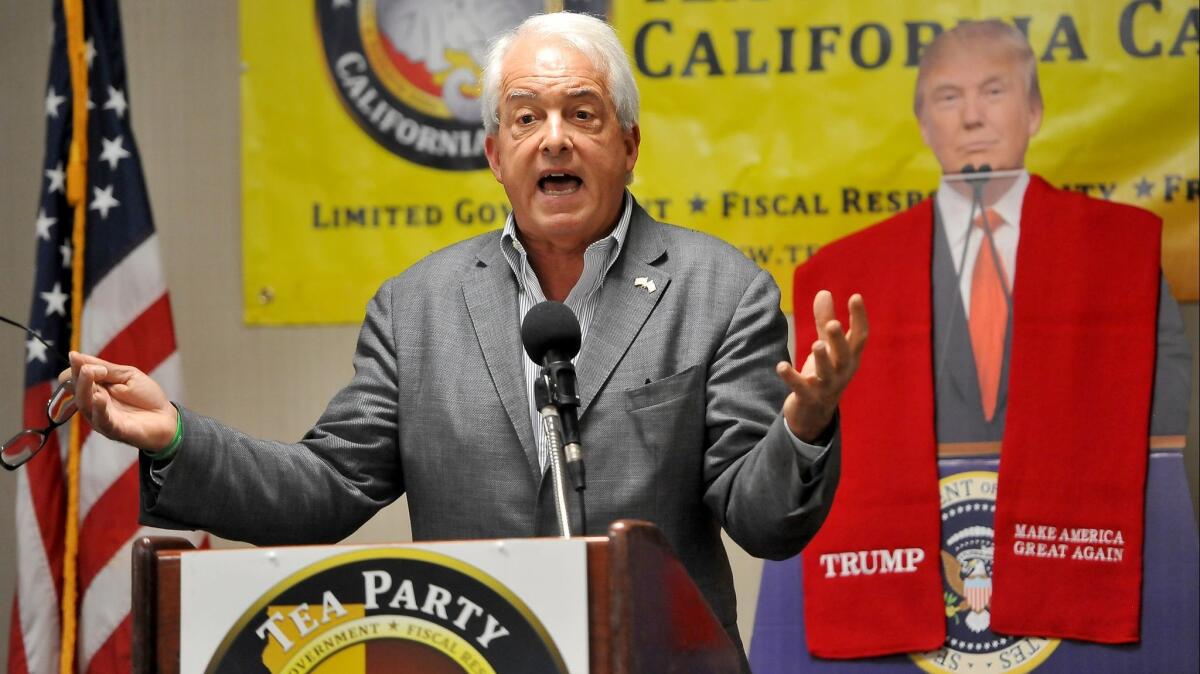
(479, 607)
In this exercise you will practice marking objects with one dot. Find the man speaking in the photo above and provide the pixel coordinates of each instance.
(690, 413)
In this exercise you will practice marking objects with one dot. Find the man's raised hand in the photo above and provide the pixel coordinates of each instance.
(817, 386)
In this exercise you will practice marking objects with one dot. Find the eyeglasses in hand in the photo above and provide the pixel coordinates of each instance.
(22, 447)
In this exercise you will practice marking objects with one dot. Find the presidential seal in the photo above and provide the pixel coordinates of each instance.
(377, 611)
(409, 71)
(968, 508)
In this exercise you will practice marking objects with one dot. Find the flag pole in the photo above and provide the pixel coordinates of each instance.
(77, 197)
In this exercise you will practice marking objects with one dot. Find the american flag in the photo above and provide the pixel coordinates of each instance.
(126, 319)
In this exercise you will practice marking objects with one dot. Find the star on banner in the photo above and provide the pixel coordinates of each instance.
(44, 223)
(698, 203)
(57, 179)
(113, 152)
(53, 100)
(67, 254)
(1143, 188)
(89, 52)
(103, 200)
(116, 102)
(56, 301)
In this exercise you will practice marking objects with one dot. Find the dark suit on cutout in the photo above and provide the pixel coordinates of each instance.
(959, 408)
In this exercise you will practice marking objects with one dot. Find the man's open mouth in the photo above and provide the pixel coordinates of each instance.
(559, 183)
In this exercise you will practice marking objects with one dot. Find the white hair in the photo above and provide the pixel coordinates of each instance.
(592, 37)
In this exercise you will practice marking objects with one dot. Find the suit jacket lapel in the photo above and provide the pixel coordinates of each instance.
(491, 296)
(623, 307)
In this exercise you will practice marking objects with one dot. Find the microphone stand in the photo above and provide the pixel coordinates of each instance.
(558, 377)
(977, 179)
(983, 174)
(552, 427)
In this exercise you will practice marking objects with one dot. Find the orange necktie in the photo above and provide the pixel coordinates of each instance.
(989, 315)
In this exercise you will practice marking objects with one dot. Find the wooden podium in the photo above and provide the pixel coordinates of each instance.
(644, 612)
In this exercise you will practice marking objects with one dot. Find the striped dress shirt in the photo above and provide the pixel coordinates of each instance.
(597, 260)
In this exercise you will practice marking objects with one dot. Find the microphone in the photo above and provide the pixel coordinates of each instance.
(978, 181)
(550, 332)
(551, 336)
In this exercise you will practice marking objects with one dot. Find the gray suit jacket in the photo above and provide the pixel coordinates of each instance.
(680, 418)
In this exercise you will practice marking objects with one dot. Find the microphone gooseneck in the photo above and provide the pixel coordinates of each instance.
(551, 336)
(552, 427)
(977, 178)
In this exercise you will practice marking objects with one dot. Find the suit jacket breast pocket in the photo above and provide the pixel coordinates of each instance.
(669, 413)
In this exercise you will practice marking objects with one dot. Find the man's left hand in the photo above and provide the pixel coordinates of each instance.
(817, 386)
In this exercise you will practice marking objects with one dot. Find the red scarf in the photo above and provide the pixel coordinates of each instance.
(1074, 448)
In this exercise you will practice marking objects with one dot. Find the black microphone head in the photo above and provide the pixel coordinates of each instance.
(550, 326)
(977, 181)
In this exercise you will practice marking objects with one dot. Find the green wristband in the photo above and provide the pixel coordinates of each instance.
(167, 452)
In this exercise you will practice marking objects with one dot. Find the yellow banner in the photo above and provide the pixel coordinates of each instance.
(777, 125)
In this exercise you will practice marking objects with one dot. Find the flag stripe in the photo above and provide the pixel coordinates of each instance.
(16, 650)
(39, 576)
(43, 486)
(142, 343)
(109, 526)
(105, 602)
(116, 652)
(132, 286)
(102, 462)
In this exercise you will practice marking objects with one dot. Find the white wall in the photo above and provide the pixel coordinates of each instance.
(183, 72)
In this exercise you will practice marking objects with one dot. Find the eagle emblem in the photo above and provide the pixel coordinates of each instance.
(968, 550)
(967, 568)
